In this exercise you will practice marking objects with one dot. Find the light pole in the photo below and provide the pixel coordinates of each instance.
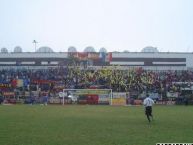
(35, 42)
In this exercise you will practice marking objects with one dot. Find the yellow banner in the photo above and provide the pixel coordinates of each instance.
(119, 101)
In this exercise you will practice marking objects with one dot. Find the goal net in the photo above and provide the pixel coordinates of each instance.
(86, 96)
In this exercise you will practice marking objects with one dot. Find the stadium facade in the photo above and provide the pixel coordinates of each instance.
(151, 61)
(154, 61)
(45, 58)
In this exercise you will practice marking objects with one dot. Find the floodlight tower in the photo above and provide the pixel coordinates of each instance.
(35, 43)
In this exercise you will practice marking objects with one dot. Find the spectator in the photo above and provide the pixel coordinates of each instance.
(1, 98)
(45, 99)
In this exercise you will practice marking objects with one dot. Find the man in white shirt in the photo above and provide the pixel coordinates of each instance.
(148, 103)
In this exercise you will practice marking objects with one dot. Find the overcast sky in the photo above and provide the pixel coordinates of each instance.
(116, 25)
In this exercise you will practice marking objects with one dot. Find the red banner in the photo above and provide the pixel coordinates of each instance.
(82, 55)
(43, 81)
(8, 94)
(93, 56)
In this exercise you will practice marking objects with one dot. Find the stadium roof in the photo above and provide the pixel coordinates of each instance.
(45, 49)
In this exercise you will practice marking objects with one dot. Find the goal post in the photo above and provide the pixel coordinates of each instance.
(87, 96)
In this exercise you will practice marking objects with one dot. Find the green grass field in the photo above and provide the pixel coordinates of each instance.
(93, 125)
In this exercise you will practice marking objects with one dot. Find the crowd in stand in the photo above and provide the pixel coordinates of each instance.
(136, 79)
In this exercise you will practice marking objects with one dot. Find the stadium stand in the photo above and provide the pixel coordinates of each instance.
(27, 76)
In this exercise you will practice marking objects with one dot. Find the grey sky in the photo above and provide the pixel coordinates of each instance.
(114, 24)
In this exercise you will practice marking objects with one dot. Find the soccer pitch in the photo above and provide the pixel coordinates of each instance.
(93, 125)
